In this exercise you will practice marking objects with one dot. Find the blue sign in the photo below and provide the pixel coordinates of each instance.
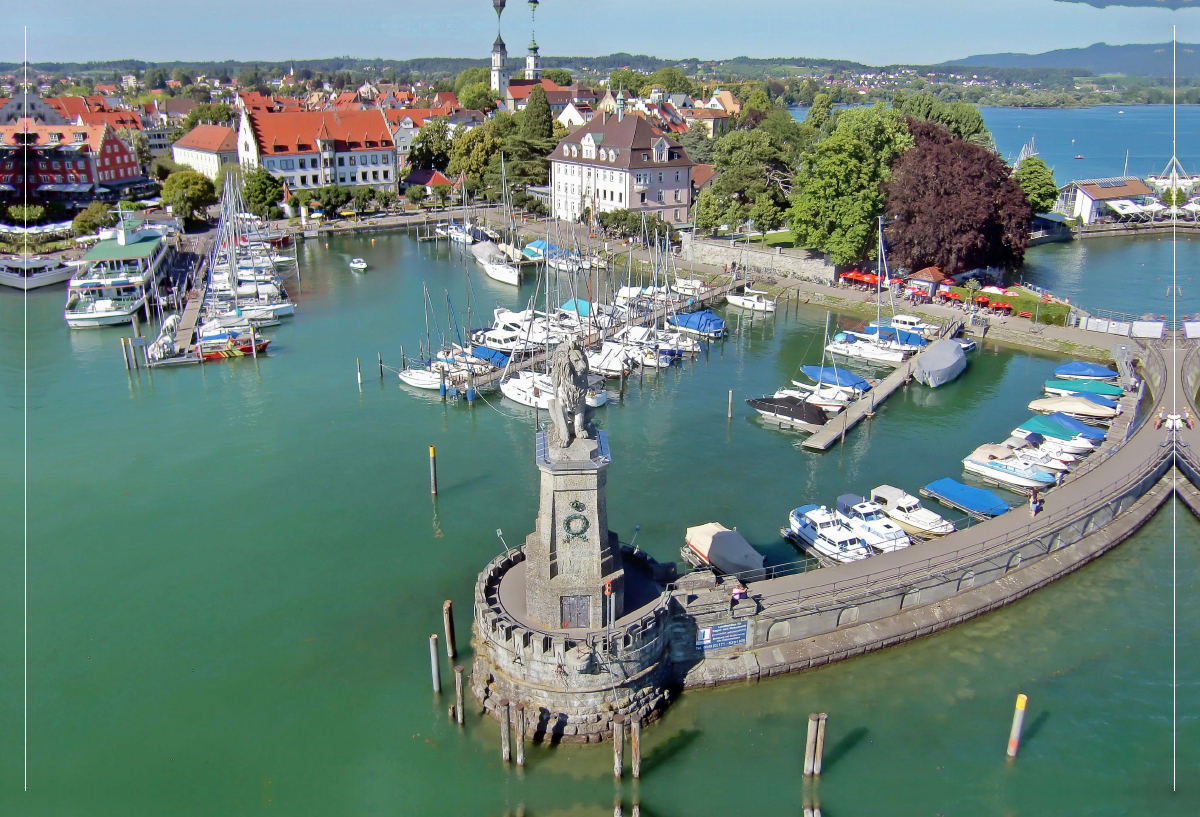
(721, 635)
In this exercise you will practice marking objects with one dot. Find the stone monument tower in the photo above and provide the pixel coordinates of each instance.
(573, 574)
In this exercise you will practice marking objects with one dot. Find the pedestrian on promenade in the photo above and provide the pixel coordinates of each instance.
(1033, 503)
(1058, 478)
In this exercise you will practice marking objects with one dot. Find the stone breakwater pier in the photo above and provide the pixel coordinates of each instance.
(580, 629)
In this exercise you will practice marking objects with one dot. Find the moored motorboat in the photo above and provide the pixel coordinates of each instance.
(995, 463)
(907, 512)
(1079, 370)
(817, 530)
(714, 545)
(868, 520)
(1062, 388)
(1087, 408)
(794, 412)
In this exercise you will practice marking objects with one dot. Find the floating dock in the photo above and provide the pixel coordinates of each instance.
(837, 427)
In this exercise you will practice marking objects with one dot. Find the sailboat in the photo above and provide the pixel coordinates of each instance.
(872, 349)
(495, 264)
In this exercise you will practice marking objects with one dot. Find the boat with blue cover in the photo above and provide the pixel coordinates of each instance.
(1055, 436)
(833, 376)
(704, 324)
(1079, 370)
(1081, 429)
(996, 464)
(979, 503)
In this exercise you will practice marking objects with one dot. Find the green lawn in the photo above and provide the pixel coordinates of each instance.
(1052, 313)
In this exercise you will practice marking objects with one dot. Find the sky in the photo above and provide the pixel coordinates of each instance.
(874, 32)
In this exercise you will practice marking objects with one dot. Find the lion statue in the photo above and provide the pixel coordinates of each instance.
(569, 374)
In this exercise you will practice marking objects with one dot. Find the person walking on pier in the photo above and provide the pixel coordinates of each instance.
(1034, 503)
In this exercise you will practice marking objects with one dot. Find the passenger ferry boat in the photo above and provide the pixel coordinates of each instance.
(115, 279)
(34, 272)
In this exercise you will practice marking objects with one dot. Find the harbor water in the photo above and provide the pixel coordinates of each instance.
(234, 570)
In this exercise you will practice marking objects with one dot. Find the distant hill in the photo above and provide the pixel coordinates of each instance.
(1146, 60)
(1158, 4)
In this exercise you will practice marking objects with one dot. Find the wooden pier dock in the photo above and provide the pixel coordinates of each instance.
(836, 428)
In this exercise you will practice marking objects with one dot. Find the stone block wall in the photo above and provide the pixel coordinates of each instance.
(801, 264)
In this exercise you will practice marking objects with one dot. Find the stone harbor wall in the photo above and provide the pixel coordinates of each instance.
(802, 264)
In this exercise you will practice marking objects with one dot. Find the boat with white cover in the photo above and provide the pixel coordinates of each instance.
(536, 389)
(714, 545)
(906, 511)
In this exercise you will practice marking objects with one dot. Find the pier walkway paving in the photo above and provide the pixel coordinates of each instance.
(1106, 474)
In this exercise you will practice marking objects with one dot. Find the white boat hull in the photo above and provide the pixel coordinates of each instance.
(504, 273)
(34, 281)
(1002, 477)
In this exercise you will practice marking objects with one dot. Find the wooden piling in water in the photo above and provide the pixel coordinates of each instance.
(635, 746)
(458, 694)
(519, 733)
(729, 410)
(358, 371)
(380, 356)
(1014, 735)
(820, 748)
(448, 625)
(124, 354)
(618, 727)
(432, 470)
(810, 745)
(505, 743)
(433, 663)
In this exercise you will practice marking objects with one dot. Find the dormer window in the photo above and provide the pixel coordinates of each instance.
(80, 136)
(574, 150)
(566, 150)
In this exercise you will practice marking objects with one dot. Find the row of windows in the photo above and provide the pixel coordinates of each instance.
(291, 164)
(361, 176)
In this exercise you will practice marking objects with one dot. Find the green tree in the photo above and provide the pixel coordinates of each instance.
(559, 76)
(626, 80)
(332, 197)
(670, 79)
(262, 192)
(472, 150)
(385, 198)
(477, 97)
(209, 113)
(470, 76)
(1037, 181)
(820, 112)
(837, 194)
(415, 194)
(362, 198)
(696, 141)
(431, 148)
(441, 193)
(536, 122)
(137, 142)
(765, 215)
(92, 219)
(750, 163)
(708, 212)
(759, 101)
(188, 192)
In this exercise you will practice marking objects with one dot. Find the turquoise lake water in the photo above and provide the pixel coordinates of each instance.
(233, 571)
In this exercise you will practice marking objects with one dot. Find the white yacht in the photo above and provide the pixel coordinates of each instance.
(612, 359)
(752, 299)
(907, 512)
(500, 270)
(115, 280)
(995, 463)
(868, 520)
(358, 265)
(868, 351)
(817, 530)
(35, 271)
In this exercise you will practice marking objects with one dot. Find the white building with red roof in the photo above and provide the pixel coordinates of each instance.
(618, 162)
(206, 148)
(307, 149)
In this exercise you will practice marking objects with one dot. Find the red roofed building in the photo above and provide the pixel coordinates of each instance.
(65, 162)
(445, 99)
(70, 107)
(107, 90)
(206, 148)
(347, 101)
(517, 95)
(309, 149)
(114, 119)
(428, 179)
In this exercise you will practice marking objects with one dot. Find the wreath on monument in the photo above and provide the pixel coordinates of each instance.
(576, 525)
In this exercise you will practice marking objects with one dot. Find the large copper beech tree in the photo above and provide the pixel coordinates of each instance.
(954, 205)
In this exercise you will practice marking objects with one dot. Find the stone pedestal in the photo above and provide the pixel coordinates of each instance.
(571, 557)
